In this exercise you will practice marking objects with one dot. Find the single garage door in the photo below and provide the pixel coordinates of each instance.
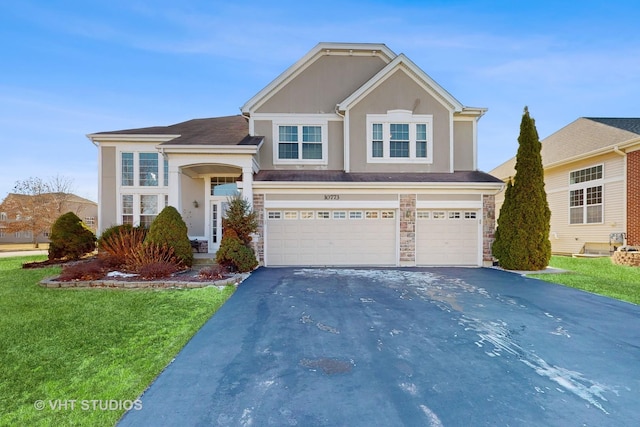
(447, 237)
(330, 237)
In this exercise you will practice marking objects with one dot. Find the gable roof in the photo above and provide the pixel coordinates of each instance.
(585, 137)
(228, 130)
(377, 49)
(402, 62)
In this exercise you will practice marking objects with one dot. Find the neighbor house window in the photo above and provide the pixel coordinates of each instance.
(399, 137)
(3, 216)
(90, 221)
(586, 196)
(300, 143)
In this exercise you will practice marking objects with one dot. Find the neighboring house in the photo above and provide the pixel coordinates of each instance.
(55, 204)
(592, 180)
(352, 156)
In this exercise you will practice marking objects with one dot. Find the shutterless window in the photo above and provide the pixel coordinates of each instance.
(423, 214)
(300, 142)
(291, 215)
(148, 169)
(371, 215)
(355, 215)
(166, 172)
(148, 209)
(470, 215)
(127, 169)
(322, 215)
(339, 215)
(307, 215)
(399, 141)
(584, 175)
(127, 209)
(388, 214)
(377, 143)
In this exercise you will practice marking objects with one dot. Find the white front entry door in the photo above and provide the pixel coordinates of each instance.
(217, 208)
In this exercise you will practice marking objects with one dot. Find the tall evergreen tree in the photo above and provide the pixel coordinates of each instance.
(522, 238)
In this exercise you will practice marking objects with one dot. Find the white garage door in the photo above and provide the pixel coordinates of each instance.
(447, 237)
(330, 237)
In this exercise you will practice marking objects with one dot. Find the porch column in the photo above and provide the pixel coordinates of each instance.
(247, 184)
(175, 198)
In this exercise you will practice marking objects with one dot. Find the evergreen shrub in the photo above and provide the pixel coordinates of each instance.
(70, 238)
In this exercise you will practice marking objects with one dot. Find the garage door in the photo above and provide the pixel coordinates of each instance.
(447, 237)
(330, 237)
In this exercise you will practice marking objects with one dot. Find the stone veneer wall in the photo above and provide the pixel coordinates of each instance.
(258, 240)
(488, 227)
(407, 229)
(633, 198)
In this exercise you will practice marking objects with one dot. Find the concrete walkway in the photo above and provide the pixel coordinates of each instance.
(404, 347)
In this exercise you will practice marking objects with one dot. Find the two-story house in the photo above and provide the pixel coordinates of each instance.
(352, 156)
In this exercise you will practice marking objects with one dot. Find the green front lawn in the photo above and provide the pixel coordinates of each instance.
(597, 275)
(59, 345)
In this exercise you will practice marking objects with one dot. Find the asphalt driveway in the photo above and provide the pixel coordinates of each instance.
(394, 347)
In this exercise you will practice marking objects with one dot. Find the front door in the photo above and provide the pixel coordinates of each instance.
(218, 208)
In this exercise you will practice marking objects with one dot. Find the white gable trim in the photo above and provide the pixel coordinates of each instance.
(321, 49)
(419, 76)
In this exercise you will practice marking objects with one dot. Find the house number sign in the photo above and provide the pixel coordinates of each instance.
(332, 197)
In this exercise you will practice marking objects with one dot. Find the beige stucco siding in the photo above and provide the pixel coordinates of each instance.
(399, 92)
(570, 238)
(463, 151)
(193, 190)
(335, 150)
(107, 214)
(322, 85)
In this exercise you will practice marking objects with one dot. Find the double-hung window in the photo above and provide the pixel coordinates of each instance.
(300, 143)
(399, 137)
(586, 196)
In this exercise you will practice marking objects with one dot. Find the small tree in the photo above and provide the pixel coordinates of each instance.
(234, 253)
(240, 218)
(70, 238)
(238, 223)
(522, 239)
(169, 230)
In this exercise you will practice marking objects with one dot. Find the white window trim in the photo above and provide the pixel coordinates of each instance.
(136, 168)
(301, 121)
(583, 186)
(400, 116)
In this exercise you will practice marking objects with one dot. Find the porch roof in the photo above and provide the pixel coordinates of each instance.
(341, 176)
(228, 130)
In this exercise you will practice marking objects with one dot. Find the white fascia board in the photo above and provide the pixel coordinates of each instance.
(320, 49)
(210, 149)
(97, 137)
(475, 112)
(419, 76)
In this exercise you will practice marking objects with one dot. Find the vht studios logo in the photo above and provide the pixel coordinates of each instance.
(87, 405)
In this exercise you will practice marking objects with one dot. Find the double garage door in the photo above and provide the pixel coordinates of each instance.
(368, 237)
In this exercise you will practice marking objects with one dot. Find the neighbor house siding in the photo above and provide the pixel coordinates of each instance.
(323, 84)
(399, 92)
(570, 238)
(108, 214)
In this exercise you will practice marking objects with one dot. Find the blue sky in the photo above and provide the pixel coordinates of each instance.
(70, 68)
